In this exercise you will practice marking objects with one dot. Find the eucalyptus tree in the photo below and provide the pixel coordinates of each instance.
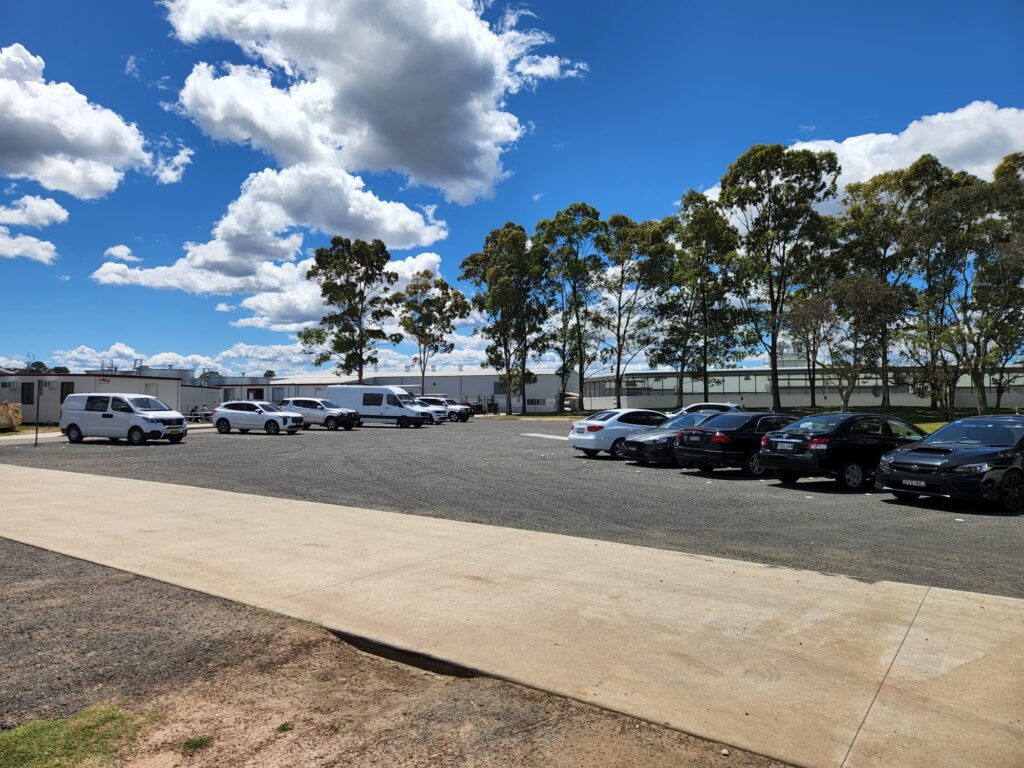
(773, 193)
(355, 284)
(809, 320)
(427, 311)
(571, 238)
(699, 324)
(508, 274)
(871, 229)
(624, 312)
(858, 307)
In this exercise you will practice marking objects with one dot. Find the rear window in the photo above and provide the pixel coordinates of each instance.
(602, 416)
(1002, 434)
(824, 422)
(727, 421)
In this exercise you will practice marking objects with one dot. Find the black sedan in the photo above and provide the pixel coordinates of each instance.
(729, 440)
(980, 458)
(846, 446)
(655, 445)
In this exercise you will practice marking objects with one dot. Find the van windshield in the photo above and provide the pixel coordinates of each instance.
(405, 399)
(148, 404)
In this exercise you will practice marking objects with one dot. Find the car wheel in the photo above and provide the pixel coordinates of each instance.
(453, 416)
(852, 476)
(272, 427)
(223, 426)
(616, 449)
(136, 436)
(331, 423)
(1011, 492)
(176, 438)
(904, 496)
(590, 452)
(752, 466)
(787, 476)
(403, 421)
(74, 433)
(347, 425)
(463, 417)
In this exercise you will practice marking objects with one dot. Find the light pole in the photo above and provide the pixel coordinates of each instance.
(39, 396)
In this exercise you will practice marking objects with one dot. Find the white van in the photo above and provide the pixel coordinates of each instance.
(117, 415)
(378, 403)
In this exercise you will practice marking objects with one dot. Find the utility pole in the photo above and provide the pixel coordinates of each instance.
(39, 396)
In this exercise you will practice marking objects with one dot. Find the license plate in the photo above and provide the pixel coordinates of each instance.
(785, 446)
(580, 430)
(174, 431)
(915, 483)
(693, 438)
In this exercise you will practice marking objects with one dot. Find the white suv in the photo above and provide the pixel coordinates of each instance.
(315, 410)
(244, 415)
(117, 415)
(456, 411)
(437, 414)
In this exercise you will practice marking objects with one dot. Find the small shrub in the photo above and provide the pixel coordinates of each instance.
(196, 743)
(285, 727)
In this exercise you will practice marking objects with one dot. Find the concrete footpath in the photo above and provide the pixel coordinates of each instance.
(808, 668)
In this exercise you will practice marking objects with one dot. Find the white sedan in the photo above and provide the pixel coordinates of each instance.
(244, 415)
(607, 430)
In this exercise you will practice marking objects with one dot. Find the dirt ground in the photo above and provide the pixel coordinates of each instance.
(74, 633)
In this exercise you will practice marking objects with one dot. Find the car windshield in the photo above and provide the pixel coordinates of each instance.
(148, 404)
(602, 416)
(449, 402)
(330, 404)
(1002, 434)
(685, 420)
(268, 407)
(822, 423)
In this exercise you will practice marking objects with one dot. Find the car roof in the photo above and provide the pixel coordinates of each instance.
(994, 417)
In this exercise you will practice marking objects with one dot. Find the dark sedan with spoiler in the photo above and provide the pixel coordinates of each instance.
(729, 440)
(980, 458)
(654, 446)
(846, 446)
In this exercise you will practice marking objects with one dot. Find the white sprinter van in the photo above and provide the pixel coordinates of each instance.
(378, 403)
(116, 415)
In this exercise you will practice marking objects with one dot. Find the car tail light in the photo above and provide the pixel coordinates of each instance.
(594, 428)
(720, 437)
(818, 444)
(764, 441)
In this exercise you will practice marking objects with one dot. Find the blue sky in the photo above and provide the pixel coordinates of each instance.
(622, 105)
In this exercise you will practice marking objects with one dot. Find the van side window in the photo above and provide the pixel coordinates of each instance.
(97, 403)
(372, 398)
(392, 400)
(120, 406)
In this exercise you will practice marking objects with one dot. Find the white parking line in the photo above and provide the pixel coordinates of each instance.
(538, 434)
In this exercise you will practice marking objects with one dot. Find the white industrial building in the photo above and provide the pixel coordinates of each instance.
(44, 393)
(476, 387)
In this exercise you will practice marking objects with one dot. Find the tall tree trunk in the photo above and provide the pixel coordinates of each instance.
(522, 381)
(679, 385)
(773, 359)
(810, 373)
(704, 368)
(508, 391)
(886, 400)
(618, 378)
(981, 396)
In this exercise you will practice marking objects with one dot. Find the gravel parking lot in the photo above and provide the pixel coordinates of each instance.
(522, 474)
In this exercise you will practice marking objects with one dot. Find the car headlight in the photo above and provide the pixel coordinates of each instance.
(885, 461)
(663, 440)
(151, 420)
(973, 468)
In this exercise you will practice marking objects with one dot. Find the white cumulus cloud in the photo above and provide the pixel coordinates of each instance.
(121, 253)
(25, 246)
(33, 211)
(169, 170)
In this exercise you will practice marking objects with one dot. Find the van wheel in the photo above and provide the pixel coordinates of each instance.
(272, 427)
(223, 426)
(136, 436)
(74, 433)
(403, 421)
(331, 423)
(176, 438)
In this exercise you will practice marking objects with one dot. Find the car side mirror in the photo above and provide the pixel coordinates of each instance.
(259, 410)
